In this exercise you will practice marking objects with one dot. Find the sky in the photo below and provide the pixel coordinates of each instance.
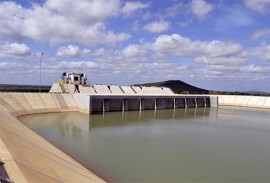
(219, 45)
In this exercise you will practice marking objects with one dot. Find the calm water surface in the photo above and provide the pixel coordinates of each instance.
(207, 144)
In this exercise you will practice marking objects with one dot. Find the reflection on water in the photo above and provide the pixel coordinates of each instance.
(133, 117)
(204, 144)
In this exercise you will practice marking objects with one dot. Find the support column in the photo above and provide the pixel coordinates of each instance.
(106, 105)
(155, 104)
(123, 105)
(103, 106)
(140, 104)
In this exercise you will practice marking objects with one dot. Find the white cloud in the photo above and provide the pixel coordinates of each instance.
(220, 60)
(260, 33)
(181, 46)
(261, 6)
(85, 11)
(130, 7)
(55, 22)
(200, 8)
(262, 52)
(71, 51)
(134, 51)
(244, 70)
(74, 65)
(157, 26)
(13, 50)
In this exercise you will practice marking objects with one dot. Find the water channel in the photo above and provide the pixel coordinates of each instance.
(183, 145)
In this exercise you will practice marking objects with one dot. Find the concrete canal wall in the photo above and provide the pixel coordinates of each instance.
(244, 101)
(30, 158)
(27, 156)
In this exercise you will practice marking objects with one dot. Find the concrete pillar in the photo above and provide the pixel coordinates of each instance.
(155, 104)
(106, 105)
(140, 105)
(196, 105)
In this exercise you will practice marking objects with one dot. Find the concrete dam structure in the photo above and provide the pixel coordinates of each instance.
(109, 98)
(106, 98)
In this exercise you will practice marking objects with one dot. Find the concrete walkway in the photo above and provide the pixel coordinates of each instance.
(27, 156)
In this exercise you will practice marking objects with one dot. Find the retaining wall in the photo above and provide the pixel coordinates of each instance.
(27, 156)
(244, 101)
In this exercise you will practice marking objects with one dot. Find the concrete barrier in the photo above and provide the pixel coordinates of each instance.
(87, 89)
(137, 89)
(127, 90)
(102, 89)
(244, 101)
(116, 90)
(27, 156)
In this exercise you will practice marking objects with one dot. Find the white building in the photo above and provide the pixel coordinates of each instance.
(74, 78)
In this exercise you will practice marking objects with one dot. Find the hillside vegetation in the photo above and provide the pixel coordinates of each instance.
(178, 87)
(23, 88)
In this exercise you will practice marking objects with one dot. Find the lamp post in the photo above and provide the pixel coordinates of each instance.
(40, 72)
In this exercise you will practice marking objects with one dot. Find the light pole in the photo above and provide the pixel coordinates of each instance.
(40, 72)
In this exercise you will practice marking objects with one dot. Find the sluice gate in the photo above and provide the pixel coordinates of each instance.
(107, 103)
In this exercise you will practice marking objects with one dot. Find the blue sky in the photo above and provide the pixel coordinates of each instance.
(214, 44)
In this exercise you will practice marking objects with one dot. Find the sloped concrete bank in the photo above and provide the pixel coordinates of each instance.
(27, 156)
(244, 101)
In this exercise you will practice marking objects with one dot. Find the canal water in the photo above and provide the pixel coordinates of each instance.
(192, 145)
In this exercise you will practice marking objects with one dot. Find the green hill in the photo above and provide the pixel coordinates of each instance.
(177, 86)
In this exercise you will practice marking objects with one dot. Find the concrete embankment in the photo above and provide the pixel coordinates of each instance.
(27, 156)
(30, 158)
(244, 101)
